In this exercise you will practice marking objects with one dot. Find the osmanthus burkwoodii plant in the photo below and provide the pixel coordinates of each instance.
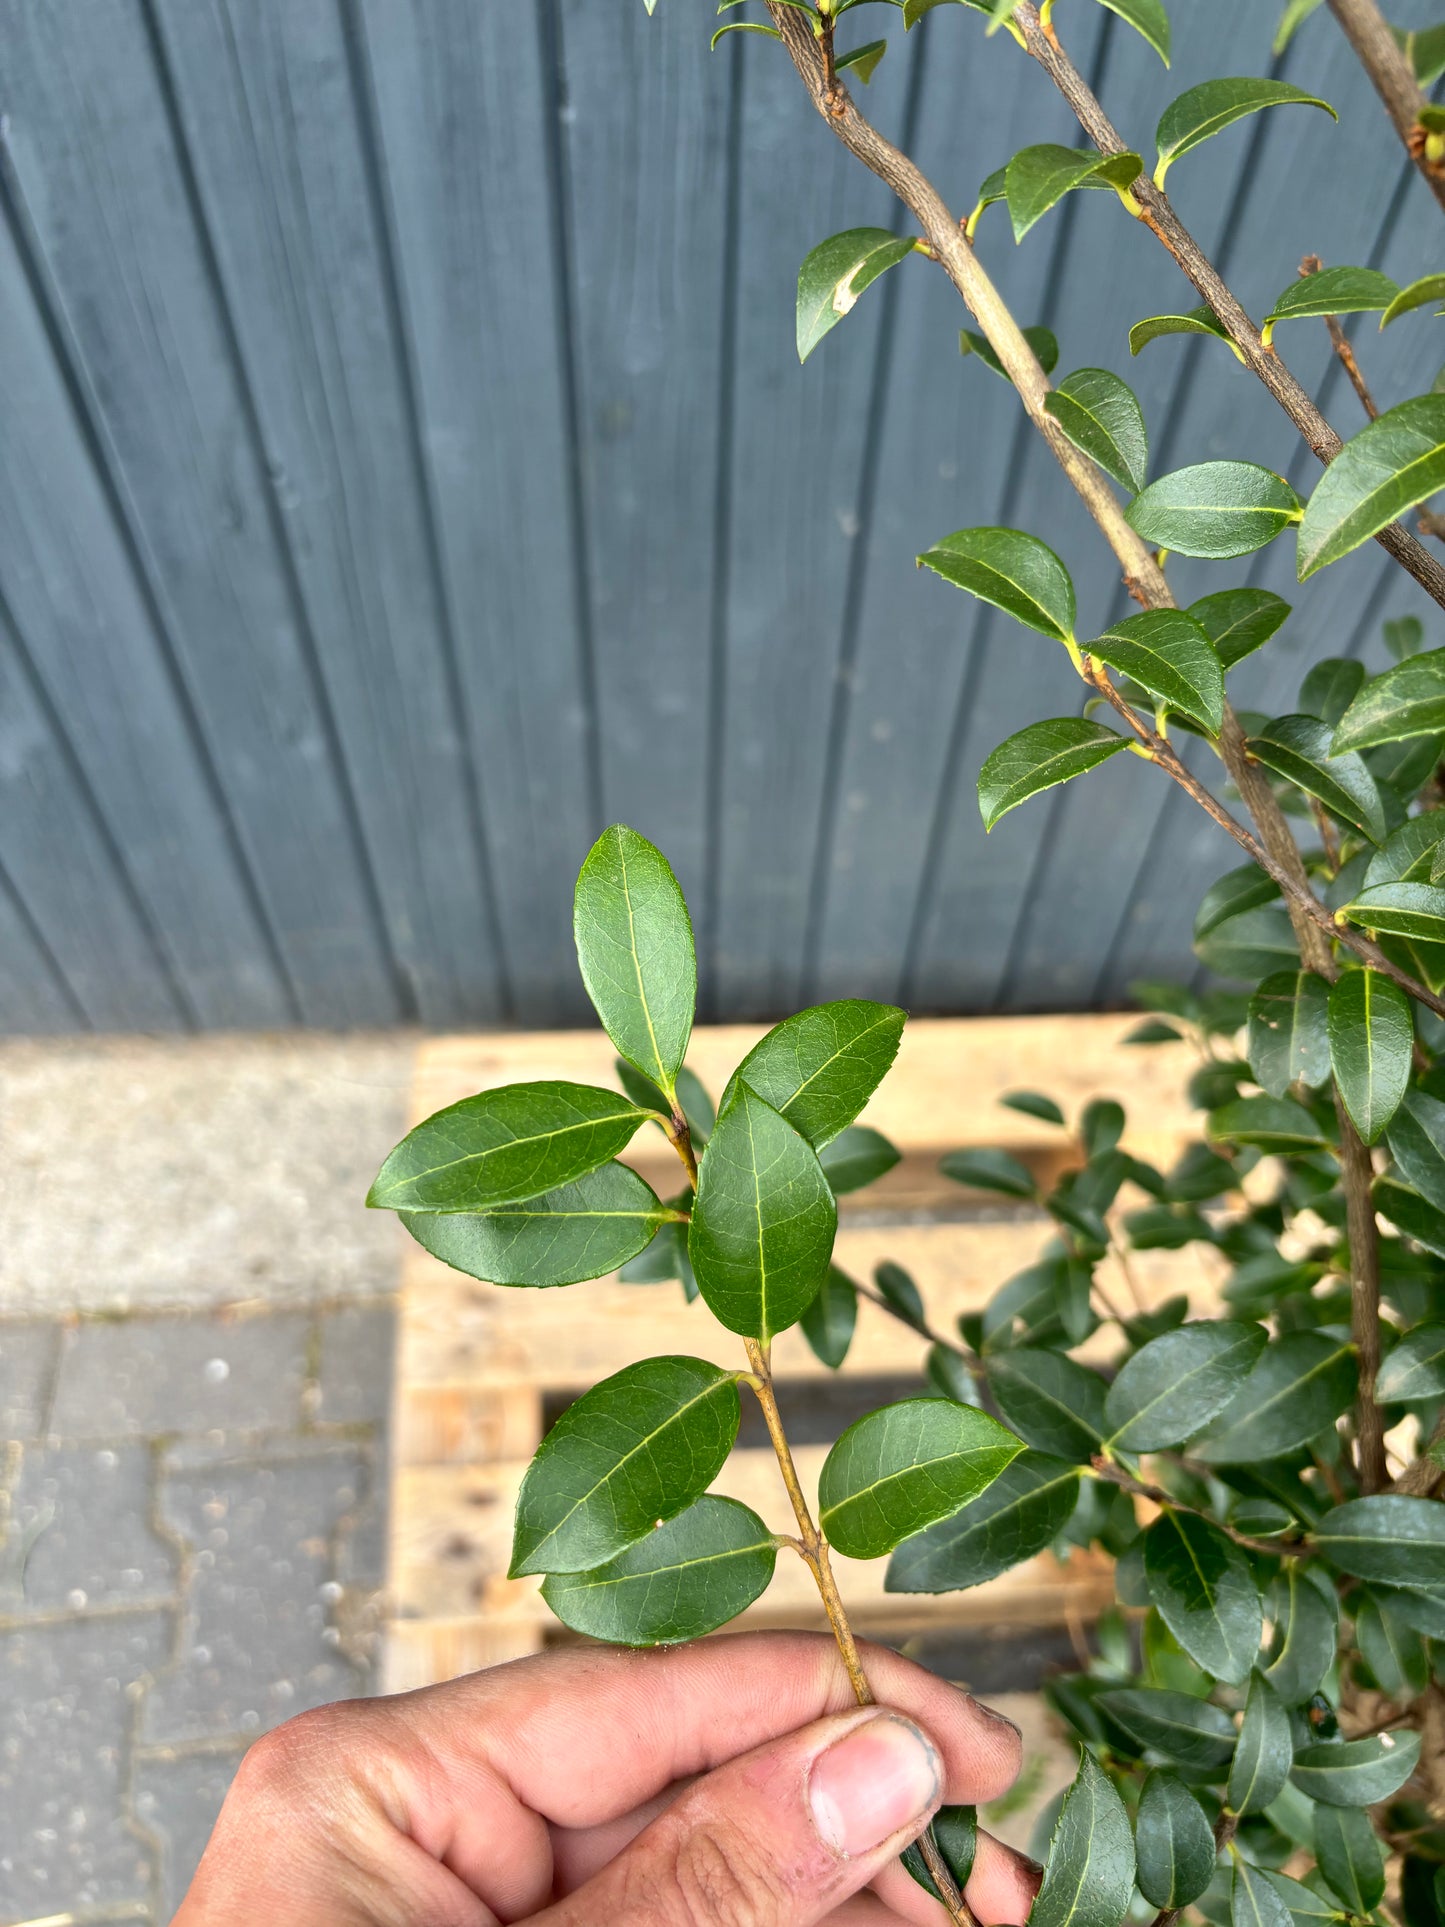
(522, 1186)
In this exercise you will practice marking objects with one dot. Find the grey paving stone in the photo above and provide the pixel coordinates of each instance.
(177, 1801)
(65, 1707)
(358, 1343)
(258, 1643)
(27, 1366)
(79, 1533)
(143, 1377)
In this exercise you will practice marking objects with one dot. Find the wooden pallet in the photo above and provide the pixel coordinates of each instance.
(477, 1362)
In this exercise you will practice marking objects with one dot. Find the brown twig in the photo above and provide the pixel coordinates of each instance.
(923, 1329)
(1157, 212)
(1339, 340)
(1422, 1479)
(1393, 78)
(814, 1550)
(679, 1136)
(1116, 1475)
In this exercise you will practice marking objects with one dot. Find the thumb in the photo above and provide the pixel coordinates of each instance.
(776, 1838)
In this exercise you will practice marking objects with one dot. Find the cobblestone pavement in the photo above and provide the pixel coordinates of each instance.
(192, 1521)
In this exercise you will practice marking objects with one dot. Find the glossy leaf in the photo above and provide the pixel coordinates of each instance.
(1288, 1031)
(1306, 1908)
(1299, 749)
(581, 1230)
(1331, 291)
(858, 1156)
(1101, 415)
(1387, 468)
(1356, 1773)
(898, 1290)
(1173, 1842)
(862, 62)
(1401, 909)
(1024, 1510)
(1418, 294)
(955, 1834)
(1166, 652)
(1407, 700)
(697, 1106)
(505, 1145)
(1372, 1038)
(1192, 321)
(1392, 1649)
(1043, 341)
(684, 1579)
(1214, 509)
(1015, 572)
(1425, 49)
(1146, 17)
(1204, 1591)
(1305, 1636)
(1174, 1385)
(988, 1170)
(834, 275)
(1053, 1403)
(1348, 1851)
(1295, 14)
(1415, 1367)
(1329, 689)
(635, 949)
(1191, 1732)
(1300, 1386)
(638, 1448)
(1039, 177)
(1265, 1752)
(1239, 621)
(1254, 1901)
(1089, 1878)
(1039, 757)
(949, 1374)
(901, 1468)
(829, 1322)
(1410, 1214)
(1271, 1123)
(763, 1223)
(1208, 109)
(1033, 1104)
(819, 1068)
(1389, 1537)
(1101, 1125)
(1240, 889)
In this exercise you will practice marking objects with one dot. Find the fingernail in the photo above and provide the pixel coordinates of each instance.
(999, 1719)
(872, 1783)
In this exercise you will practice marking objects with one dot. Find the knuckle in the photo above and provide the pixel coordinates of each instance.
(286, 1761)
(711, 1879)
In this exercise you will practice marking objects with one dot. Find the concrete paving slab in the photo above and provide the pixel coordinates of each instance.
(79, 1535)
(28, 1353)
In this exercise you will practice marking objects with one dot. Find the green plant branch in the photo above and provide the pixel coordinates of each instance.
(1393, 79)
(1108, 1469)
(1158, 214)
(923, 1329)
(813, 1547)
(679, 1136)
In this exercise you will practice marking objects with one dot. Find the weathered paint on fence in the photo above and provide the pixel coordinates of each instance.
(406, 470)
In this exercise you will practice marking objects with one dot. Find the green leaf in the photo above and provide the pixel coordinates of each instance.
(897, 1470)
(1419, 294)
(1214, 509)
(1408, 700)
(1356, 1773)
(1400, 909)
(1394, 1652)
(1305, 1636)
(1089, 1878)
(862, 61)
(1043, 341)
(1039, 757)
(733, 26)
(1025, 1509)
(955, 1834)
(1298, 748)
(1301, 1384)
(1244, 888)
(505, 1145)
(1295, 14)
(1404, 636)
(763, 1224)
(949, 1373)
(1205, 1593)
(1387, 468)
(1193, 321)
(1054, 1404)
(856, 1157)
(1033, 1104)
(635, 947)
(1208, 109)
(1146, 17)
(1271, 1123)
(820, 1067)
(834, 275)
(697, 1106)
(665, 1258)
(1174, 1843)
(1348, 1851)
(898, 1290)
(1410, 1214)
(1265, 1753)
(685, 1579)
(1101, 1125)
(1167, 653)
(989, 1171)
(1415, 1367)
(1306, 1907)
(1253, 1900)
(1015, 572)
(1331, 291)
(1101, 415)
(1288, 1034)
(1038, 177)
(1239, 621)
(1426, 50)
(1194, 1734)
(581, 1230)
(1389, 1537)
(1177, 1383)
(638, 1448)
(1372, 1039)
(1329, 689)
(829, 1321)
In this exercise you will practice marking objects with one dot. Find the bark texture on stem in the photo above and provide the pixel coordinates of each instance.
(1393, 79)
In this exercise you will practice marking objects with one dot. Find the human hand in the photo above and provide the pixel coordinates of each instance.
(732, 1782)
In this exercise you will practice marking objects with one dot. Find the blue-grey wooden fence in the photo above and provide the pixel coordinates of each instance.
(405, 469)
